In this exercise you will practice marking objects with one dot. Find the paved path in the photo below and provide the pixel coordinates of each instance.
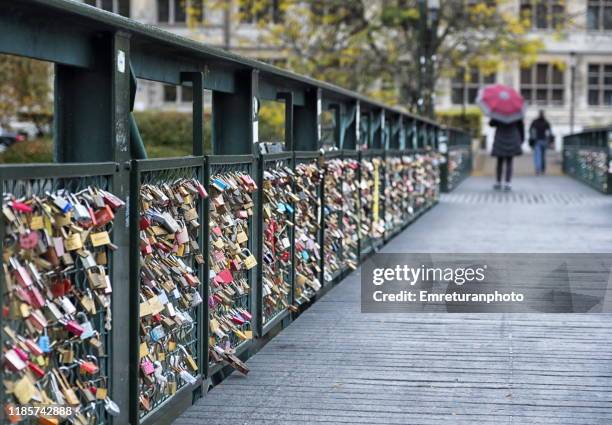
(336, 365)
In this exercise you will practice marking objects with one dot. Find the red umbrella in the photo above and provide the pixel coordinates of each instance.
(501, 103)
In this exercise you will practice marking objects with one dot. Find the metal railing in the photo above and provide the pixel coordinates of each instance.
(456, 147)
(98, 57)
(587, 157)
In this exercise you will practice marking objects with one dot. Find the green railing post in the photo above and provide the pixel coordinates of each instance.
(307, 122)
(235, 116)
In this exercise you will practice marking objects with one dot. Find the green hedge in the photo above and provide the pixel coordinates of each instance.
(168, 133)
(30, 151)
(471, 121)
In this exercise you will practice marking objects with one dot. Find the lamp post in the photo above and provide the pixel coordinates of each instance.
(572, 89)
(429, 11)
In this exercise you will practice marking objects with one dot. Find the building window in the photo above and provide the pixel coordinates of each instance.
(170, 94)
(465, 86)
(268, 10)
(121, 7)
(178, 94)
(544, 14)
(599, 15)
(177, 11)
(542, 84)
(600, 84)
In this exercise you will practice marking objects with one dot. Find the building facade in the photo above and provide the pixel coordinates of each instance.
(221, 24)
(571, 80)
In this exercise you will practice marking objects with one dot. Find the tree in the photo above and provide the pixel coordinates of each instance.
(394, 50)
(25, 90)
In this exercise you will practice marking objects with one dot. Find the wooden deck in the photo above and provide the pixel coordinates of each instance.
(336, 365)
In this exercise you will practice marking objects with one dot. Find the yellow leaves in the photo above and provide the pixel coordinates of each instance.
(482, 9)
(560, 64)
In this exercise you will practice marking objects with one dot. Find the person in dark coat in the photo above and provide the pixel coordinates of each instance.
(507, 145)
(540, 135)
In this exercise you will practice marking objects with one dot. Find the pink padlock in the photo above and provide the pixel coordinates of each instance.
(28, 240)
(74, 328)
(21, 207)
(147, 366)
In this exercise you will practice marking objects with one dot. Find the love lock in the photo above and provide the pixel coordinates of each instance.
(88, 330)
(111, 407)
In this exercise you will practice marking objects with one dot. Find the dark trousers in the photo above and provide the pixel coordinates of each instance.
(501, 160)
(539, 156)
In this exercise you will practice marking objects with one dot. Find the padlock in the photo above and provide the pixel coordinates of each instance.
(171, 380)
(146, 366)
(111, 407)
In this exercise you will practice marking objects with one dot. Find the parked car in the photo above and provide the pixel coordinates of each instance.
(26, 128)
(7, 138)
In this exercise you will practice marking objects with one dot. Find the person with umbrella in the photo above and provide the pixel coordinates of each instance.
(506, 108)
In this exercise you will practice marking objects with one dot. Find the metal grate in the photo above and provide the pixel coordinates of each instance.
(525, 198)
(26, 188)
(185, 335)
(274, 268)
(218, 166)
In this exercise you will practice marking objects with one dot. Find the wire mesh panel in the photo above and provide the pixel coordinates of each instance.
(372, 201)
(276, 271)
(589, 165)
(586, 157)
(397, 190)
(169, 205)
(231, 261)
(350, 210)
(426, 178)
(56, 291)
(458, 165)
(308, 235)
(456, 161)
(332, 216)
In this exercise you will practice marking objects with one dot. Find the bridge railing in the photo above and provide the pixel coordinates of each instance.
(149, 280)
(456, 147)
(587, 157)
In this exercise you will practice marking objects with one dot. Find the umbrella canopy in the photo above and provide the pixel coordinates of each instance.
(501, 103)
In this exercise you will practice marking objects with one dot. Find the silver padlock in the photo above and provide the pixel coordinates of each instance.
(88, 330)
(111, 407)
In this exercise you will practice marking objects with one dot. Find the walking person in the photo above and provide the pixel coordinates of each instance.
(540, 134)
(507, 144)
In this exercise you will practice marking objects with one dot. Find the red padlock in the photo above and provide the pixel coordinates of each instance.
(88, 367)
(36, 370)
(144, 223)
(104, 215)
(60, 287)
(21, 207)
(238, 320)
(74, 328)
(146, 248)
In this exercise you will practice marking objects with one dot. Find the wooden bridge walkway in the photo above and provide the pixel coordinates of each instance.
(336, 365)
